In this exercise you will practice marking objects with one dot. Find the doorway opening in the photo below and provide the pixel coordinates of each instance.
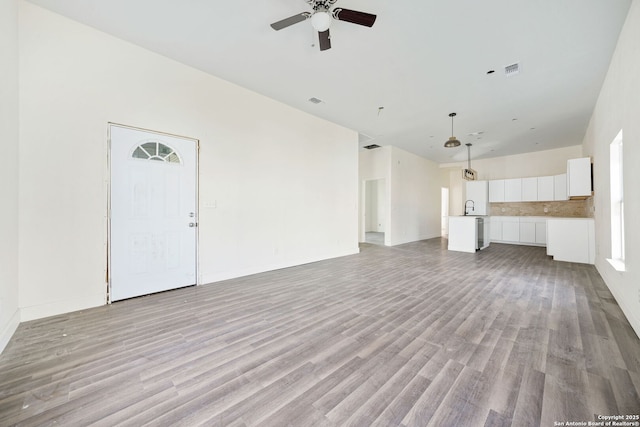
(375, 211)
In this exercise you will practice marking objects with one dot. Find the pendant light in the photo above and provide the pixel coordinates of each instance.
(469, 174)
(452, 142)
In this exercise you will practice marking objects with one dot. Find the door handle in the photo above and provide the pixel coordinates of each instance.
(193, 224)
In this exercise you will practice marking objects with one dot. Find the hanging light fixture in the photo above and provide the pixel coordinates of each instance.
(321, 21)
(469, 174)
(452, 142)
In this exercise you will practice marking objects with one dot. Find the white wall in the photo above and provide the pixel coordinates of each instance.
(618, 108)
(415, 194)
(375, 200)
(9, 314)
(457, 191)
(381, 205)
(538, 163)
(278, 187)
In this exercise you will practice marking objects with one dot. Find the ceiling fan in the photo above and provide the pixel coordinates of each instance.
(321, 19)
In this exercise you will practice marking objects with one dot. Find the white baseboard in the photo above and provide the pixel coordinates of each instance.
(628, 311)
(234, 274)
(60, 307)
(9, 330)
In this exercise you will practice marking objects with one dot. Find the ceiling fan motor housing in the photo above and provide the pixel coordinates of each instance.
(321, 5)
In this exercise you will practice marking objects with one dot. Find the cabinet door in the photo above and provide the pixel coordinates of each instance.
(513, 190)
(541, 232)
(496, 190)
(570, 240)
(527, 232)
(496, 229)
(510, 229)
(529, 189)
(579, 177)
(560, 187)
(545, 188)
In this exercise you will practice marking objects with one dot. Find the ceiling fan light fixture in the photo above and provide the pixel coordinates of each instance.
(321, 21)
(452, 141)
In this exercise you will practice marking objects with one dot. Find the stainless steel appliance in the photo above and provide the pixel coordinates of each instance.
(479, 233)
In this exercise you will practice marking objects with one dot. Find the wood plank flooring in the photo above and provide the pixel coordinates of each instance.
(412, 335)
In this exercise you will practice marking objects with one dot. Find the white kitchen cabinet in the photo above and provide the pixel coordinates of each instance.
(496, 191)
(513, 190)
(571, 239)
(510, 229)
(579, 177)
(541, 231)
(464, 233)
(527, 232)
(560, 187)
(478, 192)
(496, 228)
(533, 230)
(530, 189)
(545, 188)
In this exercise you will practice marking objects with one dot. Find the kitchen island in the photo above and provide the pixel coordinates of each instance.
(468, 233)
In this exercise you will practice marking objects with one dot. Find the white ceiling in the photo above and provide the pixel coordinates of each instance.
(420, 61)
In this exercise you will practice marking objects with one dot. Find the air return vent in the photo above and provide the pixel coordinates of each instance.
(512, 70)
(371, 147)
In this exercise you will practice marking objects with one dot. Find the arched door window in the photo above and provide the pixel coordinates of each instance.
(156, 151)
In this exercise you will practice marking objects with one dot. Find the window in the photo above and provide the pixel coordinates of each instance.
(617, 204)
(156, 151)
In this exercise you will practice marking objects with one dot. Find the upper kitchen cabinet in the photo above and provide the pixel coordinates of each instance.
(513, 190)
(478, 192)
(545, 188)
(560, 187)
(579, 183)
(530, 189)
(496, 191)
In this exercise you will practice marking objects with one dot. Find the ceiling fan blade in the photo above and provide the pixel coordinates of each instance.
(325, 40)
(355, 17)
(290, 21)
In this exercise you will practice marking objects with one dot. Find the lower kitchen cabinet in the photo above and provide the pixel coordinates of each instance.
(527, 232)
(511, 229)
(571, 240)
(496, 228)
(519, 230)
(541, 232)
(566, 239)
(533, 230)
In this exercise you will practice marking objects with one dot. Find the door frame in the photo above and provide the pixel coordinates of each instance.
(108, 183)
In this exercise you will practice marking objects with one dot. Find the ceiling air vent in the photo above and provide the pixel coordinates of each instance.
(371, 147)
(315, 100)
(512, 70)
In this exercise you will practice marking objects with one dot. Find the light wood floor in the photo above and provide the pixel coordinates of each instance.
(412, 335)
(374, 237)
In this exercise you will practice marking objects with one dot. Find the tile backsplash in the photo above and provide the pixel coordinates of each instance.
(569, 209)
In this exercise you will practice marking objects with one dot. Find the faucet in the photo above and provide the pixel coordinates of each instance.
(473, 206)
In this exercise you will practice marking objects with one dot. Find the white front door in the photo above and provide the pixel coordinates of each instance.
(153, 225)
